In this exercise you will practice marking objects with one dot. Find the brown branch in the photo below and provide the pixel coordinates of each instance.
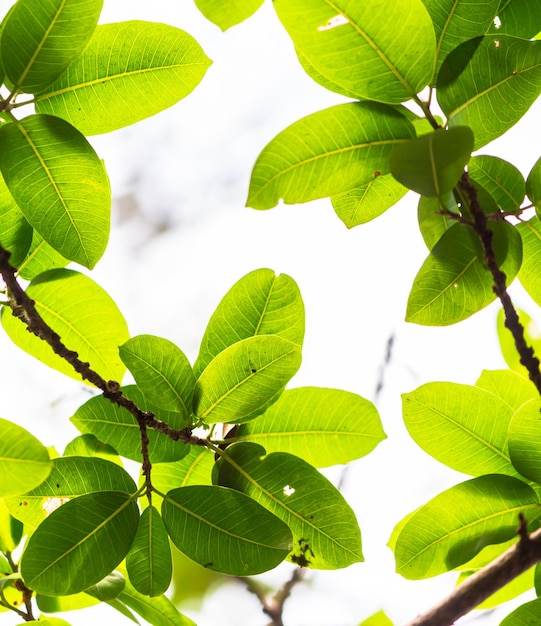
(481, 585)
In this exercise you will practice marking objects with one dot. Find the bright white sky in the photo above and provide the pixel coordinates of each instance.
(188, 169)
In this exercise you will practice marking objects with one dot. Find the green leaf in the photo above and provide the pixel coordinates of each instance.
(57, 604)
(525, 440)
(194, 469)
(533, 184)
(91, 446)
(260, 303)
(52, 621)
(461, 426)
(224, 530)
(369, 201)
(11, 531)
(530, 233)
(456, 22)
(162, 372)
(158, 611)
(39, 41)
(240, 381)
(502, 180)
(324, 81)
(24, 461)
(322, 426)
(41, 258)
(16, 234)
(62, 557)
(526, 614)
(325, 531)
(117, 426)
(229, 12)
(346, 42)
(127, 72)
(70, 478)
(378, 619)
(60, 185)
(94, 333)
(432, 224)
(489, 83)
(519, 18)
(149, 561)
(507, 385)
(433, 163)
(108, 588)
(455, 525)
(453, 282)
(507, 342)
(327, 153)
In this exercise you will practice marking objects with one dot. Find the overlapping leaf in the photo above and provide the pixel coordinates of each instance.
(461, 426)
(60, 185)
(194, 469)
(507, 385)
(322, 426)
(94, 333)
(455, 525)
(489, 83)
(41, 257)
(525, 440)
(238, 384)
(162, 372)
(127, 72)
(530, 233)
(260, 303)
(453, 282)
(116, 426)
(365, 47)
(327, 153)
(325, 531)
(227, 13)
(60, 557)
(11, 532)
(225, 530)
(16, 234)
(432, 223)
(39, 40)
(502, 180)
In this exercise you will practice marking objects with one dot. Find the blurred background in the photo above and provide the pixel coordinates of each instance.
(182, 236)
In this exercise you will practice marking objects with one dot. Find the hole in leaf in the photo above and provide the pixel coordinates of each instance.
(51, 504)
(497, 22)
(334, 22)
(288, 491)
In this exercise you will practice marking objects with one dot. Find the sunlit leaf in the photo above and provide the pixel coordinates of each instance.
(24, 461)
(194, 469)
(433, 163)
(378, 619)
(60, 557)
(502, 180)
(461, 426)
(91, 446)
(432, 223)
(507, 385)
(346, 42)
(322, 426)
(525, 440)
(526, 614)
(489, 83)
(109, 85)
(533, 184)
(225, 530)
(369, 201)
(520, 18)
(240, 381)
(85, 317)
(39, 40)
(327, 153)
(41, 257)
(325, 531)
(57, 604)
(532, 335)
(227, 13)
(455, 525)
(260, 303)
(517, 586)
(16, 234)
(117, 426)
(453, 282)
(530, 233)
(11, 531)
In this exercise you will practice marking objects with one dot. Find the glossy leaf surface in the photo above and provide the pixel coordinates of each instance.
(501, 179)
(325, 531)
(322, 426)
(227, 13)
(239, 382)
(39, 40)
(70, 477)
(432, 164)
(490, 102)
(225, 530)
(369, 201)
(327, 153)
(260, 303)
(525, 440)
(530, 233)
(461, 426)
(116, 426)
(60, 558)
(162, 372)
(346, 42)
(455, 525)
(149, 561)
(102, 89)
(60, 185)
(453, 282)
(95, 336)
(24, 461)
